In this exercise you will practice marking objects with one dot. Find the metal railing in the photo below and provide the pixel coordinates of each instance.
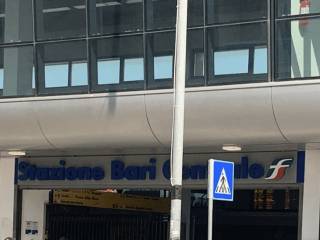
(131, 226)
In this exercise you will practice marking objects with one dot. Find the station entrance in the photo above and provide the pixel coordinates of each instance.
(266, 201)
(265, 214)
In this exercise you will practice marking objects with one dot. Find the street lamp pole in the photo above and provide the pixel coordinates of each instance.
(178, 119)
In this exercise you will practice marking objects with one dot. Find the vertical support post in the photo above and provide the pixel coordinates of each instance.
(210, 198)
(7, 199)
(178, 119)
(311, 197)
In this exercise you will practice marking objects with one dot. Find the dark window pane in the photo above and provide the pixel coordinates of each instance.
(118, 63)
(16, 23)
(195, 57)
(63, 67)
(161, 14)
(115, 16)
(195, 13)
(297, 7)
(223, 11)
(58, 19)
(238, 53)
(160, 59)
(16, 71)
(298, 49)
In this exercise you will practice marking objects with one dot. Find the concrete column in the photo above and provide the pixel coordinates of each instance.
(186, 213)
(33, 210)
(7, 199)
(309, 217)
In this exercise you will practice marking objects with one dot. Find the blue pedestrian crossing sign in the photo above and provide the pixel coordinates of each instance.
(222, 180)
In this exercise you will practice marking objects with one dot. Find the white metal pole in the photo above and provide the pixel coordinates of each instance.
(210, 198)
(178, 119)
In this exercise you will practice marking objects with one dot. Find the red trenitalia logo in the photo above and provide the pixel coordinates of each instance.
(278, 169)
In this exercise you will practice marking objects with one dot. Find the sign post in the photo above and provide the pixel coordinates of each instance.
(220, 186)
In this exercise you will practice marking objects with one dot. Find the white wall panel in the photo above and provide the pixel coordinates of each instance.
(297, 112)
(240, 116)
(108, 122)
(19, 128)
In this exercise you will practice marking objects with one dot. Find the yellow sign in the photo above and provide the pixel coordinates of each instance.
(91, 198)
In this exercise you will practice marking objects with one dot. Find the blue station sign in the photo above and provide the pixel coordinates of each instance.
(155, 170)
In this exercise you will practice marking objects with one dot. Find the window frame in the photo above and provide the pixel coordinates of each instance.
(239, 78)
(40, 73)
(122, 85)
(289, 19)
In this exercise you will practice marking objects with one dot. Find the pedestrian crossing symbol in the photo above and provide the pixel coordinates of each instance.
(223, 180)
(223, 185)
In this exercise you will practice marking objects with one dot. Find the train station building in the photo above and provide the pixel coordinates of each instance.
(86, 96)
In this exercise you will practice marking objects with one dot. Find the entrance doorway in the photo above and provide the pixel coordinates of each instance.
(262, 214)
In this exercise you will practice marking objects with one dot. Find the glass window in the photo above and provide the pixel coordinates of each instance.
(161, 14)
(297, 7)
(16, 24)
(56, 75)
(163, 66)
(115, 16)
(160, 55)
(118, 63)
(16, 64)
(238, 53)
(1, 78)
(260, 65)
(79, 74)
(108, 71)
(198, 67)
(195, 13)
(238, 59)
(133, 69)
(224, 11)
(33, 78)
(57, 19)
(195, 57)
(298, 48)
(62, 67)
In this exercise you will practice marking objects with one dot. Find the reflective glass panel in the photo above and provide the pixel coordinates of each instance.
(56, 75)
(58, 19)
(231, 62)
(163, 67)
(260, 60)
(115, 16)
(118, 63)
(297, 7)
(238, 53)
(298, 48)
(133, 69)
(79, 74)
(109, 71)
(16, 23)
(195, 55)
(224, 11)
(1, 78)
(161, 13)
(160, 53)
(195, 13)
(198, 64)
(16, 64)
(62, 67)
